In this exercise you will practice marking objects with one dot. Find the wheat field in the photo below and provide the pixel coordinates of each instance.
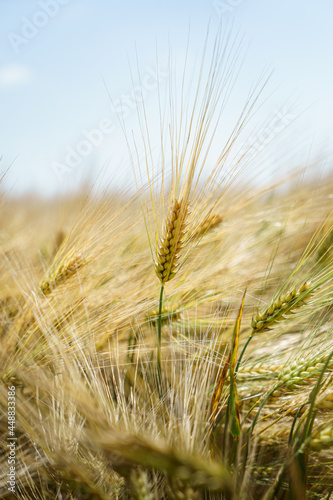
(175, 343)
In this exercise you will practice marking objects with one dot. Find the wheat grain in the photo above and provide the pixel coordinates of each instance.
(326, 401)
(322, 439)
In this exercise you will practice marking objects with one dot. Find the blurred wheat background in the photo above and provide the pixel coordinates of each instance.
(79, 318)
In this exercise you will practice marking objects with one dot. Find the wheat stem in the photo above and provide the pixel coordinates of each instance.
(159, 339)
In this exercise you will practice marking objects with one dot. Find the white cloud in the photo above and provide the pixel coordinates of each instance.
(15, 74)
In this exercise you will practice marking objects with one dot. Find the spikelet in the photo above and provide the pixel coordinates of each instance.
(326, 401)
(171, 242)
(285, 304)
(140, 484)
(208, 224)
(59, 274)
(179, 490)
(322, 439)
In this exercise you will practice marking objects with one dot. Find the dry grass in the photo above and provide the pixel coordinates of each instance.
(89, 418)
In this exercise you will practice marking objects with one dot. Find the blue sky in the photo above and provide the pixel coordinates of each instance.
(62, 60)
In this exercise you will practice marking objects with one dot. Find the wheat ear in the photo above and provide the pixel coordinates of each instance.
(208, 224)
(59, 274)
(284, 305)
(276, 311)
(138, 450)
(171, 242)
(299, 372)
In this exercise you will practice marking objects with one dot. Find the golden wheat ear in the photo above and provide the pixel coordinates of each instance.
(171, 242)
(61, 273)
(284, 305)
(208, 224)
